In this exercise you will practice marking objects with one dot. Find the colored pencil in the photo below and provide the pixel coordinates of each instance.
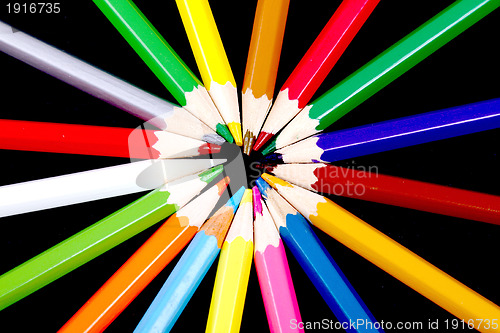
(100, 237)
(163, 62)
(390, 190)
(212, 61)
(96, 184)
(393, 134)
(387, 254)
(189, 271)
(102, 85)
(262, 66)
(383, 69)
(99, 140)
(273, 272)
(145, 264)
(314, 67)
(233, 271)
(319, 266)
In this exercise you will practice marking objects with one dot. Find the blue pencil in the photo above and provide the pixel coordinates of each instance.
(319, 266)
(189, 271)
(393, 134)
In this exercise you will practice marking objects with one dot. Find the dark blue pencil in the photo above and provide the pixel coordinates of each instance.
(393, 134)
(319, 266)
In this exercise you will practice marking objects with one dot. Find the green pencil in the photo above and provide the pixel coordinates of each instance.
(164, 62)
(383, 69)
(100, 237)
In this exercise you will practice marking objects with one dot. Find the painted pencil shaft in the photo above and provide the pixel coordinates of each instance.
(389, 255)
(318, 61)
(100, 237)
(233, 271)
(95, 184)
(373, 186)
(384, 69)
(163, 61)
(394, 134)
(212, 61)
(262, 66)
(99, 140)
(319, 266)
(102, 85)
(278, 292)
(189, 271)
(145, 264)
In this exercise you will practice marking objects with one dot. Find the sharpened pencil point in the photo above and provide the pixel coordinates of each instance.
(222, 184)
(273, 181)
(235, 129)
(269, 149)
(263, 138)
(223, 131)
(210, 174)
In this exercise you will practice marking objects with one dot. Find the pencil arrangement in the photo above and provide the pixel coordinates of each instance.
(175, 162)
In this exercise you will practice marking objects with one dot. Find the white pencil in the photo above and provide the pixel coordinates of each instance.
(96, 184)
(104, 86)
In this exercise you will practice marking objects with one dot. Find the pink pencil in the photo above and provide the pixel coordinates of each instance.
(273, 272)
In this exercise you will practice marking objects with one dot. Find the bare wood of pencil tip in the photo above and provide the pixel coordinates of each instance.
(212, 61)
(262, 66)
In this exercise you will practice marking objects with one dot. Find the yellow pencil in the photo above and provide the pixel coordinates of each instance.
(391, 256)
(228, 298)
(212, 61)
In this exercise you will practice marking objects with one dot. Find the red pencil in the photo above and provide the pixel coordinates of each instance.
(98, 140)
(372, 186)
(318, 61)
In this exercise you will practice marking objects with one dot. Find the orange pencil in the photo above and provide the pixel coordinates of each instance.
(262, 66)
(145, 264)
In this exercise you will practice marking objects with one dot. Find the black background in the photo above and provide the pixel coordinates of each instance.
(464, 71)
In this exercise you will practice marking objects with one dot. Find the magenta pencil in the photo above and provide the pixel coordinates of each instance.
(275, 281)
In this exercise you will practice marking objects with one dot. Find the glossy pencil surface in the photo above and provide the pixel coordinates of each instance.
(275, 281)
(262, 66)
(315, 260)
(189, 271)
(387, 254)
(212, 61)
(390, 190)
(100, 237)
(384, 69)
(394, 134)
(145, 264)
(318, 61)
(163, 61)
(99, 140)
(102, 85)
(233, 271)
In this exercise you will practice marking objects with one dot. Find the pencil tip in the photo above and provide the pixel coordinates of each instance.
(235, 129)
(273, 181)
(261, 140)
(222, 185)
(209, 148)
(270, 148)
(209, 175)
(223, 131)
(257, 203)
(248, 141)
(263, 187)
(247, 196)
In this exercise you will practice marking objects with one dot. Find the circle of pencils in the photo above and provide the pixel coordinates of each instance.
(296, 252)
